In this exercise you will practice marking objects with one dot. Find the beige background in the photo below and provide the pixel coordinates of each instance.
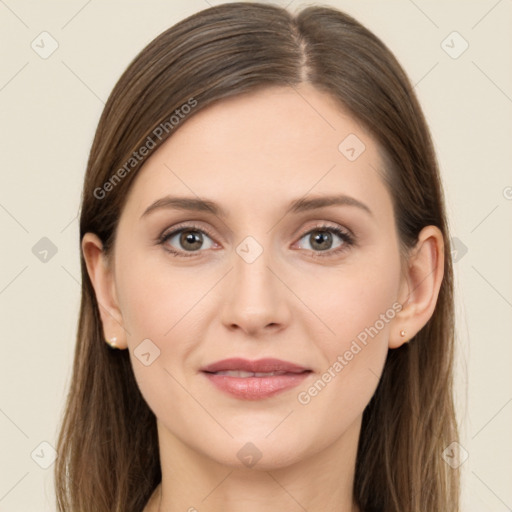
(49, 111)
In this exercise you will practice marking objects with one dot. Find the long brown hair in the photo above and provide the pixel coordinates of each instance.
(108, 446)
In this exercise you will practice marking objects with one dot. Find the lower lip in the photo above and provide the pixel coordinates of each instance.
(256, 388)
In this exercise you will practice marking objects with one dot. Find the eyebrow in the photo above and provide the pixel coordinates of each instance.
(296, 206)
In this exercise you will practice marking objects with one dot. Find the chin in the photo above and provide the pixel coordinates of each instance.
(259, 454)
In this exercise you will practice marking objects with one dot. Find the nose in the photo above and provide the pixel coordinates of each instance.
(256, 301)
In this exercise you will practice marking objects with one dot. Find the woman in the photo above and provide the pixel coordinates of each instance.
(267, 309)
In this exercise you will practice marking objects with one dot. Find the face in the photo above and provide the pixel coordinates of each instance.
(294, 257)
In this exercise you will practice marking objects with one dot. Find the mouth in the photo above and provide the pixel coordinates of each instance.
(242, 374)
(254, 380)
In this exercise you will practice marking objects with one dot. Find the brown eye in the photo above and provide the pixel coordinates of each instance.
(186, 240)
(320, 240)
(191, 240)
(326, 239)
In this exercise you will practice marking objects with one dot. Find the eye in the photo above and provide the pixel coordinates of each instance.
(322, 241)
(327, 240)
(188, 239)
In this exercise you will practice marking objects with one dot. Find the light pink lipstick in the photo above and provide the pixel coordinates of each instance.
(254, 380)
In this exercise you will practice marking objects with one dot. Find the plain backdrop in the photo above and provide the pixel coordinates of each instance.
(50, 106)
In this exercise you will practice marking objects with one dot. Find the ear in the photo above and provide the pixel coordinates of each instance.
(101, 275)
(419, 287)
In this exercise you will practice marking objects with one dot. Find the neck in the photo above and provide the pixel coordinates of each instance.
(193, 482)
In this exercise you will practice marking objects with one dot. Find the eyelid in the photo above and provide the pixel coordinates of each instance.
(184, 226)
(325, 224)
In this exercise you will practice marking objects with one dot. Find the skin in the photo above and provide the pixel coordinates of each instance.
(265, 149)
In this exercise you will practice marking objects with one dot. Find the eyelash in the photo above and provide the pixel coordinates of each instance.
(348, 240)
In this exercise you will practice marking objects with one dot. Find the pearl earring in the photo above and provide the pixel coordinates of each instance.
(402, 333)
(112, 342)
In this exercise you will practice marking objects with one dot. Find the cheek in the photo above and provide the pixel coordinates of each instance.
(356, 297)
(154, 297)
(164, 304)
(156, 302)
(358, 304)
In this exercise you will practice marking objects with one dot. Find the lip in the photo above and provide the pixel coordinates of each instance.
(255, 388)
(266, 365)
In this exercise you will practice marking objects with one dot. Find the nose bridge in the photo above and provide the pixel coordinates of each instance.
(253, 283)
(255, 297)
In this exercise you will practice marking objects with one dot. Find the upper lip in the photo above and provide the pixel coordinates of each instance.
(266, 365)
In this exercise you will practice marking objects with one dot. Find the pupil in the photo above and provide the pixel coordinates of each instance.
(322, 240)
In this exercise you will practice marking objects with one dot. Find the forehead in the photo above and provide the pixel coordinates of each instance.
(265, 147)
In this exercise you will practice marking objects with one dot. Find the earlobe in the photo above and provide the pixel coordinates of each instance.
(102, 278)
(420, 286)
